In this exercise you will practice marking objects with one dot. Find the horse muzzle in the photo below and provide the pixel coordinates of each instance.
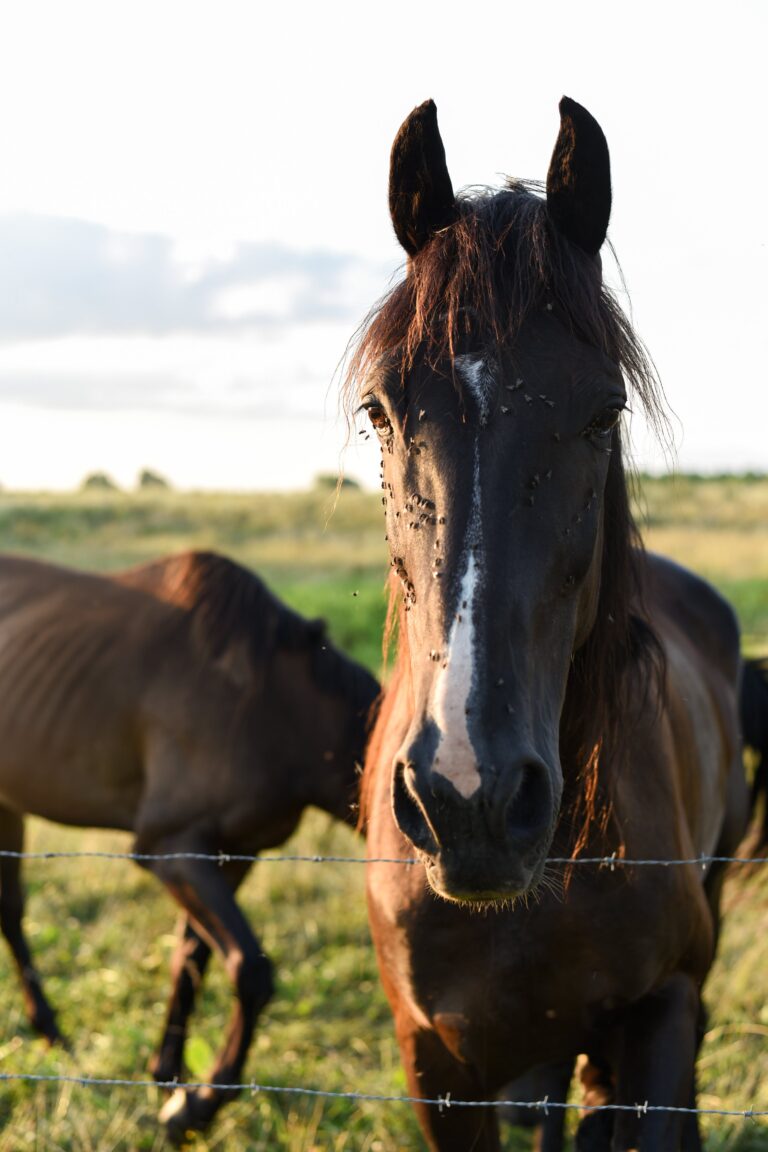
(487, 847)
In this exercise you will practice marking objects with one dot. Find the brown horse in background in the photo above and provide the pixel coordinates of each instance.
(183, 702)
(557, 692)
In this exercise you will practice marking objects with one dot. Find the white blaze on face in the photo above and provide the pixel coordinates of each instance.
(455, 757)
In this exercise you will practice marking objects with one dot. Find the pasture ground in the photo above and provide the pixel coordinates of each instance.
(102, 932)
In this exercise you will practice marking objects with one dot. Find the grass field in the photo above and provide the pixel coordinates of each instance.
(102, 933)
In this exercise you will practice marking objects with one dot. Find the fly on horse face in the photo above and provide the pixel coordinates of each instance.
(557, 692)
(183, 702)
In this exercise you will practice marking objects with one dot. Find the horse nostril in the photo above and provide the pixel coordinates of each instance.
(530, 811)
(410, 816)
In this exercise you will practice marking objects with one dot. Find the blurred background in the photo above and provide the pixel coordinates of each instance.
(193, 223)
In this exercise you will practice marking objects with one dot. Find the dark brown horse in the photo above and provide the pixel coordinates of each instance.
(557, 693)
(183, 702)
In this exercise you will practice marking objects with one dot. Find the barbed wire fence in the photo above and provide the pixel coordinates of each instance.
(614, 861)
(443, 1103)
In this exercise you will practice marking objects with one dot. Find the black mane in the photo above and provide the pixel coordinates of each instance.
(501, 260)
(229, 602)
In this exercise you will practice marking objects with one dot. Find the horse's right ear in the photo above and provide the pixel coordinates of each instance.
(421, 199)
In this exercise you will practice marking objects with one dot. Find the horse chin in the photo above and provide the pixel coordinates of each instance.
(486, 893)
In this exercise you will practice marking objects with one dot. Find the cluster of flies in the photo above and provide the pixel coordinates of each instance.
(423, 512)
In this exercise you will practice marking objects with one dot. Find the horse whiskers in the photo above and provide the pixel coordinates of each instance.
(500, 903)
(552, 882)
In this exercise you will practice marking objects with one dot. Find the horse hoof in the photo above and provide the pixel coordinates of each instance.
(185, 1113)
(162, 1073)
(177, 1114)
(44, 1023)
(57, 1039)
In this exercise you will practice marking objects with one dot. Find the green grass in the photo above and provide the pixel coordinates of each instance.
(718, 527)
(102, 933)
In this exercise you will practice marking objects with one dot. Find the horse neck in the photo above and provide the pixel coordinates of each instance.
(332, 738)
(333, 786)
(391, 714)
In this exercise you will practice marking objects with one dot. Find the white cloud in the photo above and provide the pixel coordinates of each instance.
(273, 299)
(60, 277)
(245, 372)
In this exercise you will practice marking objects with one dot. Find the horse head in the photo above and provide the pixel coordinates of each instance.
(493, 376)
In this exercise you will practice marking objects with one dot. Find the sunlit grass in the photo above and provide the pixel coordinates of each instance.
(102, 933)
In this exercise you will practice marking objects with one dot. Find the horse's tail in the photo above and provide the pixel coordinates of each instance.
(754, 730)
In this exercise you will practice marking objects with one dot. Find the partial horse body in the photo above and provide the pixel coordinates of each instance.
(183, 702)
(754, 712)
(557, 692)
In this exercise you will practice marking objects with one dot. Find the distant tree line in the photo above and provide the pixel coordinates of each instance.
(103, 482)
(149, 480)
(748, 477)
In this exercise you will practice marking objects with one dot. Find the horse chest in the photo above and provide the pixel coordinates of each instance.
(533, 981)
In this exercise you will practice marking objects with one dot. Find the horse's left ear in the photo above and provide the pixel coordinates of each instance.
(579, 179)
(421, 199)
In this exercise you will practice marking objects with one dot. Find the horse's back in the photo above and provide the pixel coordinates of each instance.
(691, 607)
(54, 609)
(76, 654)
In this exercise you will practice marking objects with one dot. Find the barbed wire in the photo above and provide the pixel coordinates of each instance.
(441, 1102)
(221, 858)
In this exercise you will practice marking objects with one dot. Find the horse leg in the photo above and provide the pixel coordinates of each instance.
(656, 1066)
(206, 896)
(550, 1133)
(39, 1011)
(692, 1141)
(553, 1081)
(550, 1081)
(432, 1073)
(190, 960)
(595, 1131)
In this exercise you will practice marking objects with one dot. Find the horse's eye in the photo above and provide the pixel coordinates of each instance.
(379, 419)
(604, 423)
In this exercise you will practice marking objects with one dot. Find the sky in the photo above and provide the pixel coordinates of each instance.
(193, 215)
